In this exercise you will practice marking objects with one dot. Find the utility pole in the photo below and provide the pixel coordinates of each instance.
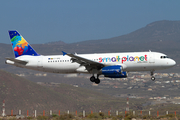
(127, 107)
(3, 110)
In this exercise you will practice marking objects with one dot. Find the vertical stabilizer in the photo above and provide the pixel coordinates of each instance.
(20, 45)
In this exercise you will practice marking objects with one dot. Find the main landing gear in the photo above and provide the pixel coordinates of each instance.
(96, 80)
(152, 76)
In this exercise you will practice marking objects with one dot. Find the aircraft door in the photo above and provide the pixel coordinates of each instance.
(151, 57)
(39, 62)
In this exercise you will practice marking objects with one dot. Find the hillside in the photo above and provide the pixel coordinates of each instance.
(20, 93)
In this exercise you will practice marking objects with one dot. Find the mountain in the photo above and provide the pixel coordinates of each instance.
(156, 31)
(56, 43)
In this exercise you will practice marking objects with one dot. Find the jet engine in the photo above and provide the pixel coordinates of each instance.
(114, 72)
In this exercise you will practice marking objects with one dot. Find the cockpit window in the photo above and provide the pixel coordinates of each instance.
(162, 57)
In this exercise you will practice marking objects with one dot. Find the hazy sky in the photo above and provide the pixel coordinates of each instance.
(42, 21)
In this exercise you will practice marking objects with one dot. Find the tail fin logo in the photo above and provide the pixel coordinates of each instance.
(20, 45)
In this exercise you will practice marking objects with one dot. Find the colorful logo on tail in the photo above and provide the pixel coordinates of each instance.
(20, 45)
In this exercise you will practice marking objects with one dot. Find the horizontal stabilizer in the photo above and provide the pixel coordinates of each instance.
(17, 61)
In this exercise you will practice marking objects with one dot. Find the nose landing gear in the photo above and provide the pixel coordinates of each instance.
(152, 76)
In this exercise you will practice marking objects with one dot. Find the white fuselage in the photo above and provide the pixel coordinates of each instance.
(130, 61)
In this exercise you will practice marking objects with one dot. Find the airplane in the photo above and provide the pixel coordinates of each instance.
(112, 65)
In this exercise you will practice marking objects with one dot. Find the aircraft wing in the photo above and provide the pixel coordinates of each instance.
(89, 64)
(17, 61)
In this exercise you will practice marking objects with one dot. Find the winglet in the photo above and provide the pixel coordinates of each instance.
(64, 53)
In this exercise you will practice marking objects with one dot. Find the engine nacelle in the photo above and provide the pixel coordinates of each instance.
(114, 72)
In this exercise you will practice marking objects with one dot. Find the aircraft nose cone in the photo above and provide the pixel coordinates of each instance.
(172, 63)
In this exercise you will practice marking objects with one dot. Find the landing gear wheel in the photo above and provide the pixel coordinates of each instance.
(97, 81)
(153, 78)
(92, 79)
